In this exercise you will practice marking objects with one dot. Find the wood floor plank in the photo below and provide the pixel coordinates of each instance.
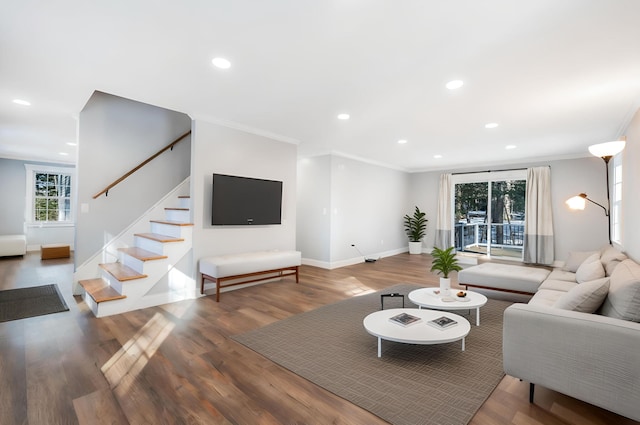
(177, 363)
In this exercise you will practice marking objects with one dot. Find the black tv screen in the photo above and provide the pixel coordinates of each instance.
(245, 201)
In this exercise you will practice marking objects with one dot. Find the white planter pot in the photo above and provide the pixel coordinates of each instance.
(445, 286)
(415, 247)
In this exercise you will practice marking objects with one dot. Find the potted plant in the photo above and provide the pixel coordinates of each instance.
(444, 262)
(416, 227)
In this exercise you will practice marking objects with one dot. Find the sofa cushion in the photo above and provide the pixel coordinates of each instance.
(586, 297)
(558, 274)
(557, 285)
(610, 257)
(546, 297)
(504, 276)
(590, 269)
(576, 258)
(623, 300)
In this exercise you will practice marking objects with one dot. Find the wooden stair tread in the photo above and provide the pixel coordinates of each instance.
(122, 272)
(158, 237)
(142, 254)
(172, 222)
(100, 290)
(184, 196)
(177, 209)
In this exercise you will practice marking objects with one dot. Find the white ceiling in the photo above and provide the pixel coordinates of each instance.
(557, 76)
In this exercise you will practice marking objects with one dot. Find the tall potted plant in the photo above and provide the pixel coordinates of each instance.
(444, 262)
(416, 227)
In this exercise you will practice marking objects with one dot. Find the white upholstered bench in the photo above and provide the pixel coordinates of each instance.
(248, 267)
(504, 277)
(13, 245)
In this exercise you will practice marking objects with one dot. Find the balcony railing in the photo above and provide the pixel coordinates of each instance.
(506, 237)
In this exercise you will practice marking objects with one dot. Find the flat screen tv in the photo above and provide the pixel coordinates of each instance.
(240, 201)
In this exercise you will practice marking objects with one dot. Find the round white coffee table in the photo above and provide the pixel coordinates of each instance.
(378, 325)
(428, 298)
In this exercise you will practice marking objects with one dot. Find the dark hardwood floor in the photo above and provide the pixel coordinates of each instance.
(176, 364)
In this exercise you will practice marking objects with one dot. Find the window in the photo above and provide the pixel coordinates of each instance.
(49, 195)
(616, 204)
(489, 213)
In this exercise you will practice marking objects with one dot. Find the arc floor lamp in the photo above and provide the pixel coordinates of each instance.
(606, 151)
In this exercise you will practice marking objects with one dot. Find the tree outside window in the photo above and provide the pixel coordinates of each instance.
(52, 200)
(49, 195)
(489, 214)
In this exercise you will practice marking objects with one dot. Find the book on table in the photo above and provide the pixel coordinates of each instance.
(442, 322)
(405, 319)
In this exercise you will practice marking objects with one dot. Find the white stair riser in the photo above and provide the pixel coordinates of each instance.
(134, 263)
(149, 245)
(168, 229)
(90, 302)
(178, 215)
(184, 202)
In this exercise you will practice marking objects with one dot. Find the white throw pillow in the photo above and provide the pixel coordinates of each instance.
(575, 259)
(586, 297)
(590, 269)
(610, 257)
(623, 301)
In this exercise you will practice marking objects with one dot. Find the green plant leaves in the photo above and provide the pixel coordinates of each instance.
(444, 261)
(415, 226)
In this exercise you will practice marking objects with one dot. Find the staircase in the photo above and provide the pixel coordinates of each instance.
(141, 277)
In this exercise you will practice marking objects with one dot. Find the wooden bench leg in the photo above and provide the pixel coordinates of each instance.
(219, 281)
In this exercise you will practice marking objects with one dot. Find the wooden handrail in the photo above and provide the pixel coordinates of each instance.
(142, 164)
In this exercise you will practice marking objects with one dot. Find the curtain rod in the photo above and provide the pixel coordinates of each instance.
(491, 171)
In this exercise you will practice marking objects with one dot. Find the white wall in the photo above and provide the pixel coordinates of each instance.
(13, 215)
(115, 135)
(342, 202)
(368, 203)
(630, 185)
(218, 149)
(313, 228)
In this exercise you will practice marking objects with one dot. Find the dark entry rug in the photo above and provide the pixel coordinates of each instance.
(409, 384)
(29, 302)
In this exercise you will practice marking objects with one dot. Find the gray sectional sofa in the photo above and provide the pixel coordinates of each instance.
(580, 333)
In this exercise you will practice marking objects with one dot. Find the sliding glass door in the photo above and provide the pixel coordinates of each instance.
(489, 215)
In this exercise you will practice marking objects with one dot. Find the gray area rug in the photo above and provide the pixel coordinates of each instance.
(29, 302)
(409, 384)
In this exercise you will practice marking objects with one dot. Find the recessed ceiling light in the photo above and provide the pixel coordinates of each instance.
(437, 156)
(510, 147)
(455, 84)
(221, 63)
(402, 141)
(491, 125)
(343, 116)
(21, 102)
(72, 144)
(63, 153)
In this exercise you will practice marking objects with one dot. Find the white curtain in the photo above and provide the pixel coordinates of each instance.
(444, 217)
(538, 228)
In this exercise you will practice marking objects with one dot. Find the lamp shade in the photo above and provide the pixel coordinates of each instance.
(577, 202)
(607, 149)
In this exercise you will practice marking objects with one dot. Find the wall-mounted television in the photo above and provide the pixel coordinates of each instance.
(239, 201)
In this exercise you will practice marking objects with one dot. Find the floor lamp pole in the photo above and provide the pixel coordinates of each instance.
(608, 212)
